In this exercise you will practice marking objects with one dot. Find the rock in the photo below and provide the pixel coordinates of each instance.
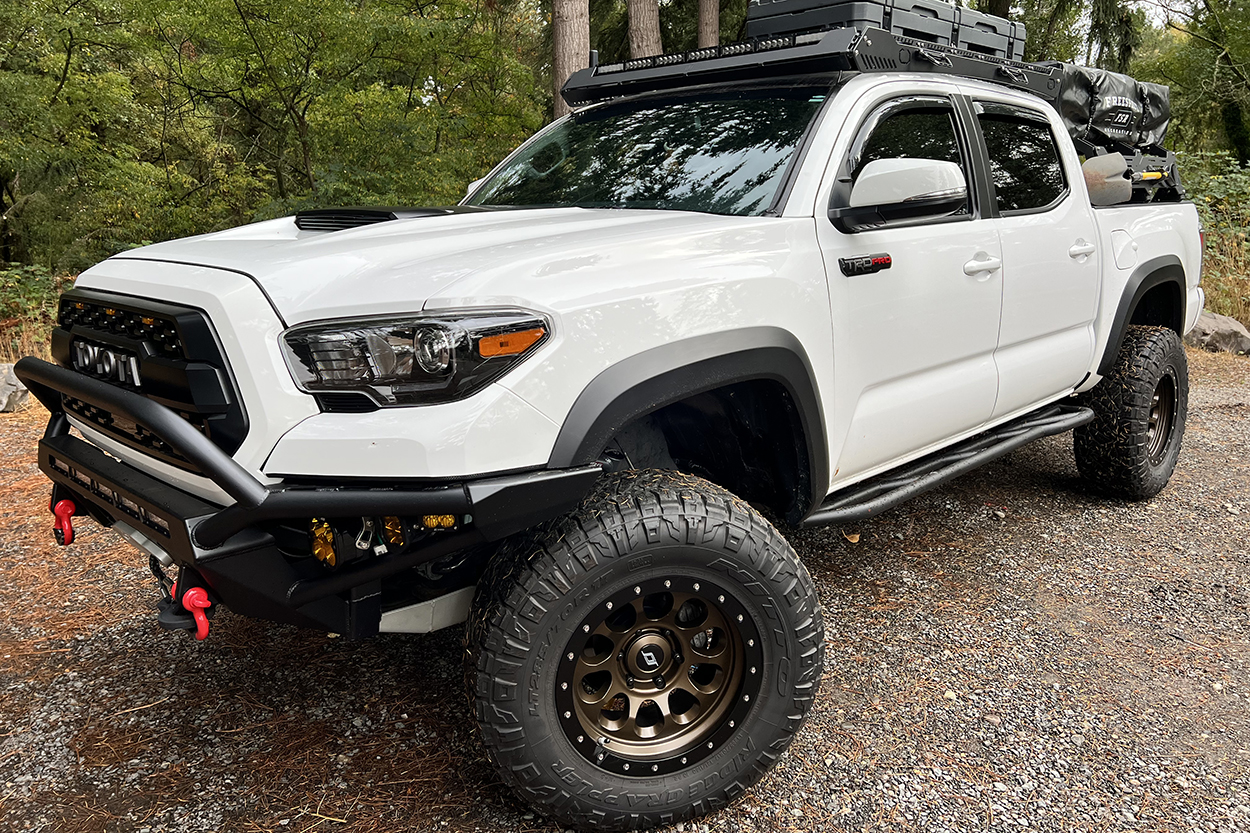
(13, 393)
(1219, 333)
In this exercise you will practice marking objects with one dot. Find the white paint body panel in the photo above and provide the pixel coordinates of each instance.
(1050, 296)
(904, 361)
(249, 331)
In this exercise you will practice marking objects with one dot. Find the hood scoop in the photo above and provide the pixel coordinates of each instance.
(341, 219)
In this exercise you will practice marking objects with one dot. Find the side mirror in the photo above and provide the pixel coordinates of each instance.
(901, 190)
(473, 187)
(1107, 179)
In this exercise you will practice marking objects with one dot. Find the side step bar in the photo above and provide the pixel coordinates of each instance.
(877, 494)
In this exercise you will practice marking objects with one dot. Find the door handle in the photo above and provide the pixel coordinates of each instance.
(978, 265)
(1081, 248)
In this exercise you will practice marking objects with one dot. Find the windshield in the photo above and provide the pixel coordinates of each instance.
(723, 153)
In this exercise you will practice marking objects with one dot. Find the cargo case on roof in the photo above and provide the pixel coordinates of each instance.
(931, 21)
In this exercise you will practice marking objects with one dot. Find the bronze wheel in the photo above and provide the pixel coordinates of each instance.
(645, 659)
(1162, 415)
(658, 676)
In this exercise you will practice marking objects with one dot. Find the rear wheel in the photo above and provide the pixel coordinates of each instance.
(1130, 448)
(645, 659)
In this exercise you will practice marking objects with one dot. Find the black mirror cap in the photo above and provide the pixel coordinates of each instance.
(865, 217)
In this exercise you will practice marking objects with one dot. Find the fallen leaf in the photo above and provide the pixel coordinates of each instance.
(853, 537)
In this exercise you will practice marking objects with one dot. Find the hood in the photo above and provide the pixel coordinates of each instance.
(400, 265)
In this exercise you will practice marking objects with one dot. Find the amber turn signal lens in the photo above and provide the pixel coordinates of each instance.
(509, 344)
(322, 541)
(438, 521)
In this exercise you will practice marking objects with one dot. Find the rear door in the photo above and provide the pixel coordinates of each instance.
(914, 342)
(1050, 260)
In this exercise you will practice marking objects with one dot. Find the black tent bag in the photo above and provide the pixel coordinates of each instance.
(1112, 111)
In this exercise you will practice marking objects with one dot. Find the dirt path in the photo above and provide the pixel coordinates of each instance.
(1004, 654)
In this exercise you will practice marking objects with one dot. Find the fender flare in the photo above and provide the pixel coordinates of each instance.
(652, 379)
(1154, 272)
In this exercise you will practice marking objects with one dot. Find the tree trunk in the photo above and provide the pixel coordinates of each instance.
(1236, 131)
(570, 40)
(709, 23)
(644, 28)
(998, 8)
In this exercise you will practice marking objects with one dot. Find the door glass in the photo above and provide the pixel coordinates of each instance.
(914, 133)
(1024, 160)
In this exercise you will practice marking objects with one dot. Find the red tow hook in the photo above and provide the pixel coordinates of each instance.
(63, 528)
(196, 602)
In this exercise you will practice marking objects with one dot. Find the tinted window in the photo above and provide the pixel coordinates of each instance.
(1024, 161)
(723, 153)
(927, 133)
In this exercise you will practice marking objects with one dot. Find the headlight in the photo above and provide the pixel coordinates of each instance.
(414, 360)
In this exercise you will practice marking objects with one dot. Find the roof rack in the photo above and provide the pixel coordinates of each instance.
(833, 50)
(1075, 92)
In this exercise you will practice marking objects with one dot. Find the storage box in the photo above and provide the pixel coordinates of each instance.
(926, 20)
(988, 35)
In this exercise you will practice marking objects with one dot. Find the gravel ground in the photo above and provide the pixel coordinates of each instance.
(1004, 654)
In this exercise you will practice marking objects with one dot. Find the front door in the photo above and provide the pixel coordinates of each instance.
(913, 343)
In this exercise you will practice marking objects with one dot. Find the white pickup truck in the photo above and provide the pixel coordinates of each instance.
(744, 288)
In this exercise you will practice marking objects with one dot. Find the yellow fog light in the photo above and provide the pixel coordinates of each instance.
(393, 531)
(322, 541)
(438, 521)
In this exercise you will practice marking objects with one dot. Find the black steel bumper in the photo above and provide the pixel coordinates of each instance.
(229, 547)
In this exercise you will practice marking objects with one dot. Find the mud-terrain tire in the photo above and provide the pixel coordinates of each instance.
(1130, 448)
(571, 612)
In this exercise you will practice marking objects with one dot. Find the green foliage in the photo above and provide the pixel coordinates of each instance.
(1203, 53)
(1220, 188)
(27, 309)
(129, 120)
(25, 293)
(1052, 30)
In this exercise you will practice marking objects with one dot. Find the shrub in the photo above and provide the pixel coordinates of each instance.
(1220, 188)
(28, 298)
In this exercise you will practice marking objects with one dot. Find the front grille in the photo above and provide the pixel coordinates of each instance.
(165, 352)
(346, 403)
(135, 435)
(158, 330)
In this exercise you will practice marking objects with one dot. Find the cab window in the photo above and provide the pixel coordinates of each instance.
(911, 130)
(1025, 167)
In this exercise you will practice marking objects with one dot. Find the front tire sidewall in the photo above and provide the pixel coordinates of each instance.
(766, 580)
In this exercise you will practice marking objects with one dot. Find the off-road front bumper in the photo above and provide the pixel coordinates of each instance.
(233, 548)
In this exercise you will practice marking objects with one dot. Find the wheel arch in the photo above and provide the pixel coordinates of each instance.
(1154, 294)
(654, 379)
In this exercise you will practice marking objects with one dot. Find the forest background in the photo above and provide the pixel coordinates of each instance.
(124, 122)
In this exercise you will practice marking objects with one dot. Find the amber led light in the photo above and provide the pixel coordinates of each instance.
(393, 531)
(322, 541)
(509, 344)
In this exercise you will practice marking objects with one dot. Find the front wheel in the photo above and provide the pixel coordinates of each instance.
(647, 658)
(1130, 448)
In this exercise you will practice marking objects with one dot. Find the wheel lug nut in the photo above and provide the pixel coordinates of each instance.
(629, 680)
(659, 681)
